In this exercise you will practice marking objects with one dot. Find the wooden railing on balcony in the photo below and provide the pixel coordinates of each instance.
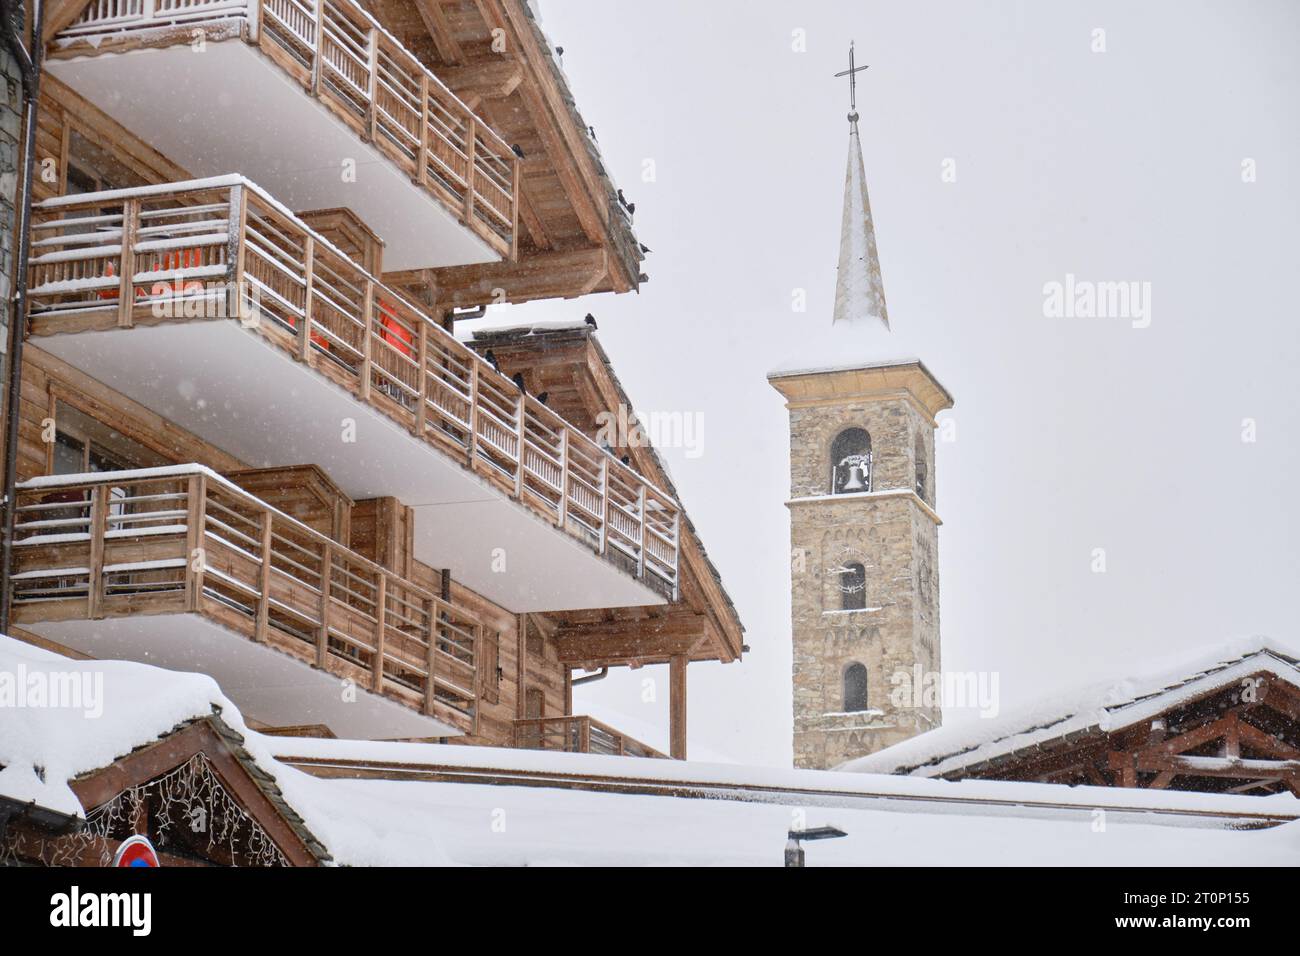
(578, 734)
(183, 539)
(341, 55)
(222, 248)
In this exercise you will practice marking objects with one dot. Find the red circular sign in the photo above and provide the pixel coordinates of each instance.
(137, 851)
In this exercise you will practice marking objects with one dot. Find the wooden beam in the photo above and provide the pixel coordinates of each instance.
(60, 14)
(549, 275)
(677, 706)
(654, 639)
(439, 31)
(493, 78)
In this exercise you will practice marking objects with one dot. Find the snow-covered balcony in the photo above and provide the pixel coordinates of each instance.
(578, 734)
(179, 567)
(312, 99)
(213, 305)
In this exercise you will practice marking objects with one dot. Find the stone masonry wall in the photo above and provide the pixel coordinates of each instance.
(896, 541)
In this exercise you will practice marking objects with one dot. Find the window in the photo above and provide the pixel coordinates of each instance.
(83, 444)
(853, 587)
(851, 462)
(922, 470)
(855, 687)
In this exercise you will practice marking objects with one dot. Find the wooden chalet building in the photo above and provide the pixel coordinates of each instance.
(251, 444)
(1229, 724)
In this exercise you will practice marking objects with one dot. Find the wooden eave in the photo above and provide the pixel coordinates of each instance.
(570, 365)
(574, 236)
(1261, 739)
(245, 782)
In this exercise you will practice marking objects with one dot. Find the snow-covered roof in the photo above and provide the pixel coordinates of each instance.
(556, 808)
(431, 803)
(1107, 706)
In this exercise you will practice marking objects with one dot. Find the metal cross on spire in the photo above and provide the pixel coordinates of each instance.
(851, 73)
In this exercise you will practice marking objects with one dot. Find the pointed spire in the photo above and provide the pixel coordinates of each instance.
(859, 291)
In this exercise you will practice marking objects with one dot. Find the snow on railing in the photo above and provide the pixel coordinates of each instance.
(183, 538)
(151, 254)
(342, 56)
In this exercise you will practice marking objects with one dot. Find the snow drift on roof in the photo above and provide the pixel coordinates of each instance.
(1113, 704)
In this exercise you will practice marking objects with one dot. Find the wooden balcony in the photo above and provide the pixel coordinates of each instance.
(287, 91)
(578, 734)
(179, 567)
(208, 295)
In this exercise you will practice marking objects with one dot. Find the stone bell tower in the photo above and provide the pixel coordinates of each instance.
(863, 525)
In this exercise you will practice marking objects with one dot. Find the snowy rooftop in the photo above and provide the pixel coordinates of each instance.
(1109, 705)
(439, 804)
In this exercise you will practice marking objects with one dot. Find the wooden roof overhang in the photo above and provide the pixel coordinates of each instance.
(243, 781)
(574, 236)
(1239, 738)
(570, 365)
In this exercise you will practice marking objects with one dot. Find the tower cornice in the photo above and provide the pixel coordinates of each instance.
(908, 379)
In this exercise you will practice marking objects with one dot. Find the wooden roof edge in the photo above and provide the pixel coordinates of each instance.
(260, 778)
(730, 628)
(623, 242)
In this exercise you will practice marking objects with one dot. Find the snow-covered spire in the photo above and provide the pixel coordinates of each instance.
(859, 291)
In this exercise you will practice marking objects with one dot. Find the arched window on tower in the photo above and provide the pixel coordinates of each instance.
(922, 470)
(851, 462)
(855, 687)
(853, 587)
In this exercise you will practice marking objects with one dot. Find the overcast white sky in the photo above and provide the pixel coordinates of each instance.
(1072, 434)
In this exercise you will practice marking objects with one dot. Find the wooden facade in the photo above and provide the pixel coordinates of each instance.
(125, 238)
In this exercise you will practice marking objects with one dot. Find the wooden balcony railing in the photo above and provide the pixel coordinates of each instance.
(578, 734)
(222, 248)
(182, 539)
(340, 55)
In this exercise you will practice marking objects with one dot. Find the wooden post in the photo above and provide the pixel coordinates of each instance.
(98, 525)
(562, 515)
(677, 706)
(471, 135)
(367, 340)
(472, 449)
(196, 516)
(309, 268)
(604, 502)
(422, 159)
(381, 614)
(126, 277)
(422, 377)
(584, 735)
(430, 611)
(521, 664)
(372, 125)
(521, 430)
(236, 216)
(264, 581)
(326, 580)
(640, 569)
(514, 211)
(318, 49)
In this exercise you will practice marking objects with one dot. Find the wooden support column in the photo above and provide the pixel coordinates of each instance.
(264, 581)
(381, 626)
(309, 267)
(326, 580)
(98, 528)
(677, 706)
(126, 262)
(521, 663)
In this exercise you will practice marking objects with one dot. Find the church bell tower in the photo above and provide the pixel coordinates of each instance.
(863, 525)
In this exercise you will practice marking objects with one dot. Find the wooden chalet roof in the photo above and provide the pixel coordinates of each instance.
(575, 237)
(1228, 723)
(567, 362)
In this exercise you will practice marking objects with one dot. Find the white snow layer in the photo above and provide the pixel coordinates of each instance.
(1110, 704)
(889, 819)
